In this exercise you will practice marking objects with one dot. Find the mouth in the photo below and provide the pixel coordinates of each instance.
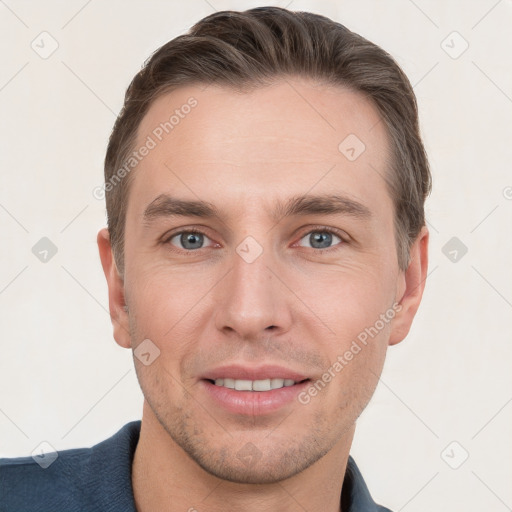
(246, 391)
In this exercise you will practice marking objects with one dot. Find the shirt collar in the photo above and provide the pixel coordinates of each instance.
(355, 496)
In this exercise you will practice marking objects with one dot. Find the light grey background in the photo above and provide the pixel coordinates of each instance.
(63, 379)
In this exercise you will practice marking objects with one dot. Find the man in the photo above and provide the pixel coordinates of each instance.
(265, 186)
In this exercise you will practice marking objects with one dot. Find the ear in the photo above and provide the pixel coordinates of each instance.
(116, 297)
(410, 288)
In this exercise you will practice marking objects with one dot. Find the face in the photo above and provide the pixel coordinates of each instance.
(268, 281)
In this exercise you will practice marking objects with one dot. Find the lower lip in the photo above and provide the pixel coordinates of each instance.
(253, 403)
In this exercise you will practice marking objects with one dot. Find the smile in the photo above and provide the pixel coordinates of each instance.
(253, 397)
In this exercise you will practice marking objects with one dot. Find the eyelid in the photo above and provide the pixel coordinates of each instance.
(338, 232)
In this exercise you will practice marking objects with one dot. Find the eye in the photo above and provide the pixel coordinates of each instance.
(321, 239)
(188, 240)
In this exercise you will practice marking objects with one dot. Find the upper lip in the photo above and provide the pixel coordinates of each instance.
(241, 372)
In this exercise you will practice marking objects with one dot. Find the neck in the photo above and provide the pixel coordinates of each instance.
(165, 478)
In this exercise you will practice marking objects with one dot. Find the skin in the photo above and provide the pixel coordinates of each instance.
(209, 307)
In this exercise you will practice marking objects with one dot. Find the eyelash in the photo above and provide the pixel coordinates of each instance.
(318, 229)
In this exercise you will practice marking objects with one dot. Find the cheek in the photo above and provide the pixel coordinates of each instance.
(168, 307)
(357, 307)
(356, 359)
(162, 297)
(349, 298)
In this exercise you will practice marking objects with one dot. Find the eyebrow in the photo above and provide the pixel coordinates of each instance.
(330, 204)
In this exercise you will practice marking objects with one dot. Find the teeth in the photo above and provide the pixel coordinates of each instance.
(261, 385)
(229, 383)
(243, 385)
(276, 383)
(254, 385)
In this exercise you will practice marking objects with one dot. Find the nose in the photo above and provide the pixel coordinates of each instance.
(252, 301)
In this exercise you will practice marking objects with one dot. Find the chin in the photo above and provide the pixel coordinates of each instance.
(233, 467)
(249, 458)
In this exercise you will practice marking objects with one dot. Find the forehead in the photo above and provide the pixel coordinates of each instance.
(213, 142)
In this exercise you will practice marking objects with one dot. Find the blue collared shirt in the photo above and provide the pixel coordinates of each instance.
(99, 479)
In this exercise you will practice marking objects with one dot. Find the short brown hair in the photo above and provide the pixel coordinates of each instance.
(255, 47)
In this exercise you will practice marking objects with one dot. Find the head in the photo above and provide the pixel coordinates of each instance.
(290, 146)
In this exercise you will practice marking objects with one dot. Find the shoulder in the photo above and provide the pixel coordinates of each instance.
(77, 479)
(25, 484)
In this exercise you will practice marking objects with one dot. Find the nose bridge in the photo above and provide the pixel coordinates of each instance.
(252, 298)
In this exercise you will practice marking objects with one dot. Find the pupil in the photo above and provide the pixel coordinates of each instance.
(191, 240)
(323, 238)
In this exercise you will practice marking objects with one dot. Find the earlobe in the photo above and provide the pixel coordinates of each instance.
(116, 292)
(412, 286)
